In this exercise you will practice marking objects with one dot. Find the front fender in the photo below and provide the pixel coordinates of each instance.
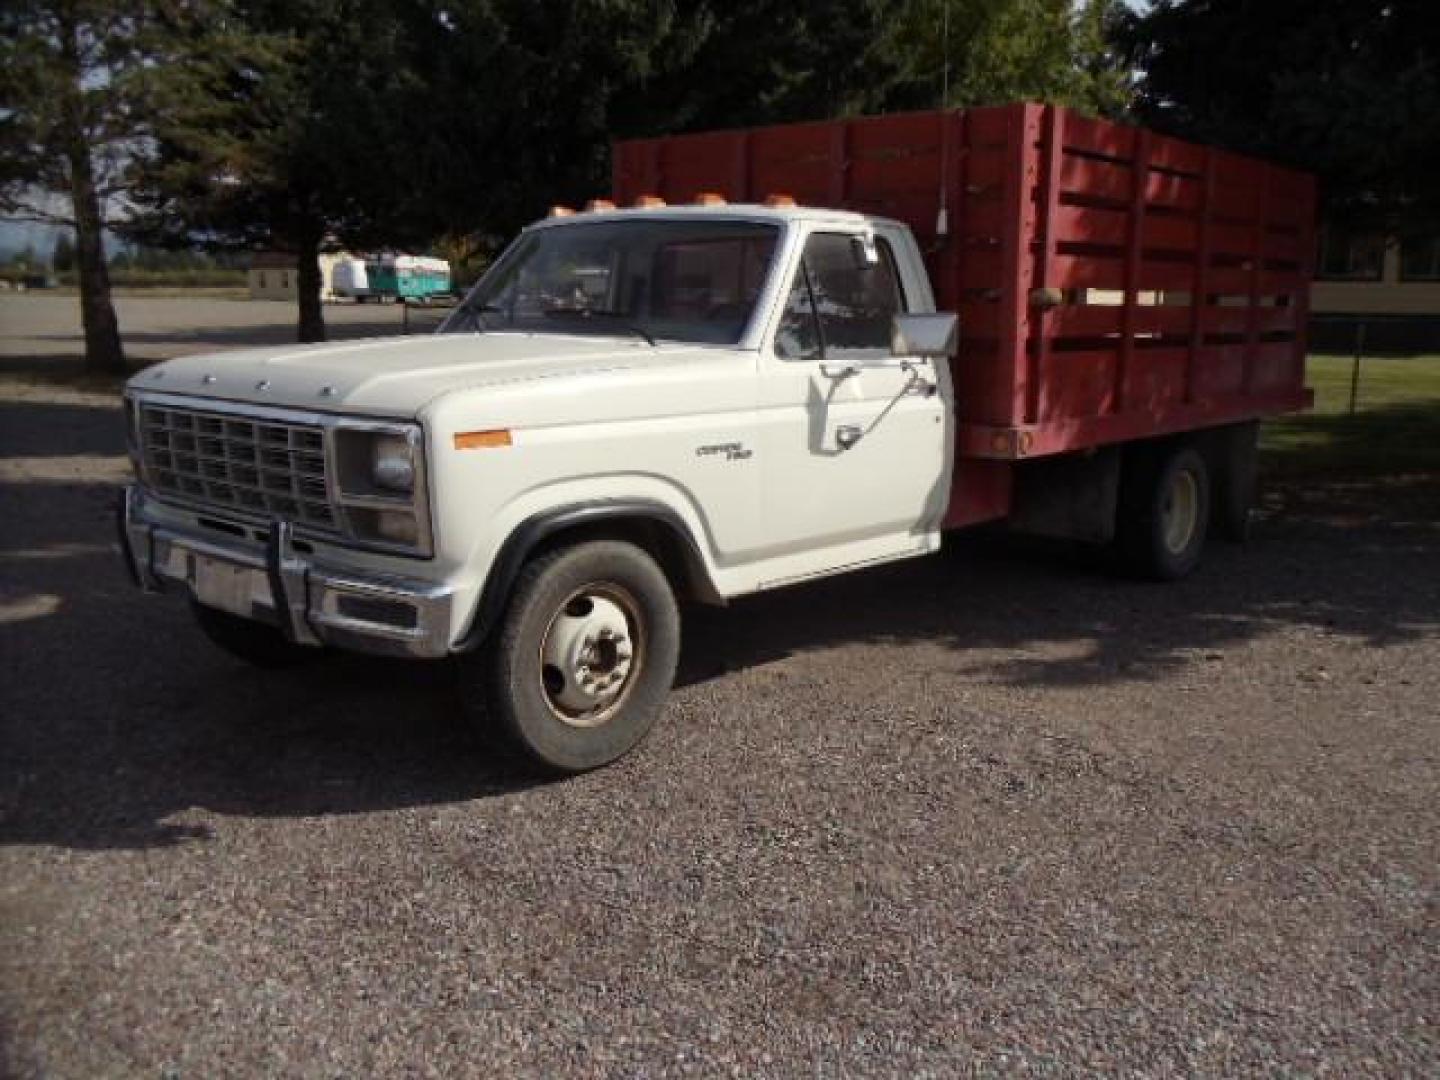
(525, 538)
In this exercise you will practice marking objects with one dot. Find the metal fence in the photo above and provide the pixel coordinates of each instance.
(1359, 338)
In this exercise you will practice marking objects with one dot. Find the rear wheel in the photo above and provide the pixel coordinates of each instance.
(579, 668)
(1164, 513)
(1237, 482)
(254, 642)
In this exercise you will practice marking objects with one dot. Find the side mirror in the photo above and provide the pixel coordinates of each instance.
(935, 335)
(866, 254)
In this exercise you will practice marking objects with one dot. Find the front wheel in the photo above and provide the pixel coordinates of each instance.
(579, 667)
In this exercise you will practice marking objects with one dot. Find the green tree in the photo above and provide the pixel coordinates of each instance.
(391, 122)
(512, 103)
(73, 78)
(304, 127)
(1348, 89)
(574, 74)
(1000, 51)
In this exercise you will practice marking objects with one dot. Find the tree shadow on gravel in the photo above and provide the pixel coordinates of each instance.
(117, 717)
(46, 429)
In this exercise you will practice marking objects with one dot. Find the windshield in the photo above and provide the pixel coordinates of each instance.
(693, 281)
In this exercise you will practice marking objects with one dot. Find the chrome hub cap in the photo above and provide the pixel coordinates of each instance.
(1180, 512)
(589, 656)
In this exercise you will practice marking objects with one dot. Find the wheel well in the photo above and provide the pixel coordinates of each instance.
(675, 554)
(645, 525)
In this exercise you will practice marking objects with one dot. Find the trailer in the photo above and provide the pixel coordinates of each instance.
(407, 277)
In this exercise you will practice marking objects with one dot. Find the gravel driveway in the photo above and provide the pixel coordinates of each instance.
(987, 812)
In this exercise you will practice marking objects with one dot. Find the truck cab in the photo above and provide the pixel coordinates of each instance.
(632, 408)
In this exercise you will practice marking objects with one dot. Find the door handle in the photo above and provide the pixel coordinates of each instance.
(847, 435)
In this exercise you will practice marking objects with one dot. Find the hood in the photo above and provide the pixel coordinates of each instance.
(398, 376)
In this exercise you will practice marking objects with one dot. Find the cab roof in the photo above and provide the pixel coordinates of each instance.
(780, 215)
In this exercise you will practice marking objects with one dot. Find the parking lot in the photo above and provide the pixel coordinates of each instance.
(991, 811)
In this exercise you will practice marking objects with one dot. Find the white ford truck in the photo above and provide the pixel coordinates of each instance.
(631, 408)
(693, 402)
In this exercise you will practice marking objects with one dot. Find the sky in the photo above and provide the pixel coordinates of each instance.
(15, 235)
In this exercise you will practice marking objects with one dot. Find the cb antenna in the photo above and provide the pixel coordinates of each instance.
(942, 219)
(945, 55)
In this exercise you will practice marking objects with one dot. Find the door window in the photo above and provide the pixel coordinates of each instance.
(845, 295)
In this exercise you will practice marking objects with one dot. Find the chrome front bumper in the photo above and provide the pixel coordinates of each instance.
(310, 603)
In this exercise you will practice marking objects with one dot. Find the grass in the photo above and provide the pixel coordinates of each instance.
(1395, 429)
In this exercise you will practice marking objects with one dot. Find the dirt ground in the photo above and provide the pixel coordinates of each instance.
(993, 811)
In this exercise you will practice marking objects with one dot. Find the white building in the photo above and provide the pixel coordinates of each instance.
(273, 275)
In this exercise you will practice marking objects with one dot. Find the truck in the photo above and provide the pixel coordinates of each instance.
(771, 355)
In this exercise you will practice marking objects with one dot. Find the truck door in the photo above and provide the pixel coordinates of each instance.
(855, 443)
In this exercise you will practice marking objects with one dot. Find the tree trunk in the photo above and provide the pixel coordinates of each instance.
(103, 351)
(307, 287)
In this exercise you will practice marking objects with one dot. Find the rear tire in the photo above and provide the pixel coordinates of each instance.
(579, 667)
(1164, 512)
(1237, 484)
(254, 642)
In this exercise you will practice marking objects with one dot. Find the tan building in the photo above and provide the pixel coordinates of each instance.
(1390, 286)
(273, 276)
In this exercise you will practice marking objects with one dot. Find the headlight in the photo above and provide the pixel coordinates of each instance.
(393, 464)
(380, 469)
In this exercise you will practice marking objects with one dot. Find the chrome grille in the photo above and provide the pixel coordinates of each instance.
(266, 467)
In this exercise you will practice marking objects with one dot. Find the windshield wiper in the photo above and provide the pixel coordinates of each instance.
(601, 313)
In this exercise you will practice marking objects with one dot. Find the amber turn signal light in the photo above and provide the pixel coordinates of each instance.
(482, 440)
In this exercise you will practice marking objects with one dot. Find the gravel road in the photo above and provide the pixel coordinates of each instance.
(987, 812)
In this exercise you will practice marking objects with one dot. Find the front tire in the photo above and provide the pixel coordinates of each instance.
(578, 669)
(1164, 513)
(254, 642)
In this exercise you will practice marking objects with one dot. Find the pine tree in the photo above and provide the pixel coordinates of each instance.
(72, 79)
(1348, 89)
(296, 127)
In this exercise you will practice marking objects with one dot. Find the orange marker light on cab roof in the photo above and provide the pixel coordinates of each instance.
(561, 211)
(648, 202)
(483, 440)
(599, 204)
(779, 200)
(709, 198)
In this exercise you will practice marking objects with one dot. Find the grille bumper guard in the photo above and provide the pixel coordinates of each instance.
(312, 605)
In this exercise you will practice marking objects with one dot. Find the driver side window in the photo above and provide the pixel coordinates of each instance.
(842, 301)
